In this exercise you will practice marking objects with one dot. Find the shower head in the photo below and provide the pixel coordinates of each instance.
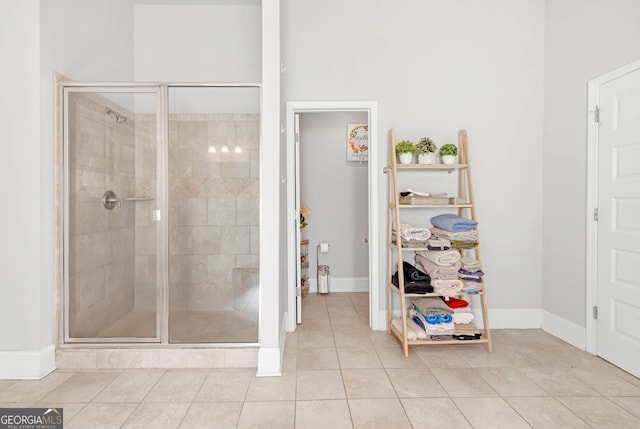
(119, 118)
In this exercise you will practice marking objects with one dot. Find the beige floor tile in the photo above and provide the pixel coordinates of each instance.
(378, 413)
(319, 384)
(316, 323)
(177, 386)
(546, 413)
(558, 382)
(463, 382)
(383, 339)
(490, 413)
(147, 415)
(601, 412)
(32, 390)
(605, 382)
(332, 414)
(318, 358)
(445, 356)
(510, 382)
(358, 357)
(281, 388)
(131, 386)
(291, 343)
(631, 404)
(315, 339)
(347, 324)
(22, 405)
(290, 362)
(503, 355)
(393, 357)
(212, 415)
(259, 415)
(70, 409)
(81, 387)
(415, 383)
(225, 385)
(434, 413)
(101, 416)
(367, 383)
(352, 338)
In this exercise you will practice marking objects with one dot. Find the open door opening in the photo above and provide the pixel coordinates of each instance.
(350, 234)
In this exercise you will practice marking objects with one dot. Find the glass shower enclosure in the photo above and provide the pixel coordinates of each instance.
(160, 212)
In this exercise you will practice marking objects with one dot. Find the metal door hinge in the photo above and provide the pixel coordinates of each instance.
(596, 114)
(595, 214)
(595, 312)
(298, 291)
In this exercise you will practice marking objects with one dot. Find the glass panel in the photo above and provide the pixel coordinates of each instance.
(213, 214)
(111, 237)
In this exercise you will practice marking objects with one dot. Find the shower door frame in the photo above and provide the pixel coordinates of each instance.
(161, 89)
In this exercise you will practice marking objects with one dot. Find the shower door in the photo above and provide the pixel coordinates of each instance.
(112, 198)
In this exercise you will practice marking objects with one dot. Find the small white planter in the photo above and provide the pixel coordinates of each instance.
(448, 159)
(427, 158)
(405, 158)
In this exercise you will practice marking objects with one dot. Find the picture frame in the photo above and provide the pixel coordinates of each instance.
(357, 142)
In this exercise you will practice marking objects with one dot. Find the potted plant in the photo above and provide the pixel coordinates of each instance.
(405, 150)
(448, 153)
(426, 150)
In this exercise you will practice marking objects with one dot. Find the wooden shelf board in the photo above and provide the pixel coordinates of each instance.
(398, 335)
(430, 166)
(421, 295)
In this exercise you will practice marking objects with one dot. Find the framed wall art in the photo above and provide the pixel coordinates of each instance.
(357, 142)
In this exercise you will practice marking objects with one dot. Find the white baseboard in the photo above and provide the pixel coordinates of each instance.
(564, 329)
(342, 284)
(27, 364)
(270, 359)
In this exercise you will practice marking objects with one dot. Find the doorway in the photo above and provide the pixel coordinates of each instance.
(367, 110)
(613, 285)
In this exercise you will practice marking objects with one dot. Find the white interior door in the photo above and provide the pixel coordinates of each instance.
(618, 237)
(297, 220)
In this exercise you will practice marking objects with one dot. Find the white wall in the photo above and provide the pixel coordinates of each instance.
(435, 67)
(43, 37)
(23, 307)
(200, 43)
(336, 191)
(583, 40)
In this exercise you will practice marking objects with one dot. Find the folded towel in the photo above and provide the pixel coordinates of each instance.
(436, 271)
(470, 264)
(449, 235)
(436, 243)
(410, 243)
(459, 318)
(414, 331)
(453, 222)
(415, 281)
(430, 306)
(412, 232)
(447, 287)
(454, 302)
(441, 257)
(471, 288)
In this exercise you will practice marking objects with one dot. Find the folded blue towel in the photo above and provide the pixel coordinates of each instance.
(453, 223)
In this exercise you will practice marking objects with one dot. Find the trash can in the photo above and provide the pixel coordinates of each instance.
(323, 279)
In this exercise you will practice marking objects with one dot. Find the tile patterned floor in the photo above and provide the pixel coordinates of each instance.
(339, 374)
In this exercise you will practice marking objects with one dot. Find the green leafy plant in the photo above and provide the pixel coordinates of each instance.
(405, 146)
(448, 149)
(426, 145)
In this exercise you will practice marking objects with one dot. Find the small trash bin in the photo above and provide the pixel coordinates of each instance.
(323, 279)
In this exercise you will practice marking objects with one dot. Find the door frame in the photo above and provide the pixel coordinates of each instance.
(371, 108)
(593, 101)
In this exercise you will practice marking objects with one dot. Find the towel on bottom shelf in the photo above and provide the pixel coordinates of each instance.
(414, 332)
(462, 318)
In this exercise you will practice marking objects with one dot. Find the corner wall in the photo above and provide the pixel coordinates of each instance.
(583, 40)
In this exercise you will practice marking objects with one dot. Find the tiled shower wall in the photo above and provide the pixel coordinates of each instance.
(214, 208)
(101, 242)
